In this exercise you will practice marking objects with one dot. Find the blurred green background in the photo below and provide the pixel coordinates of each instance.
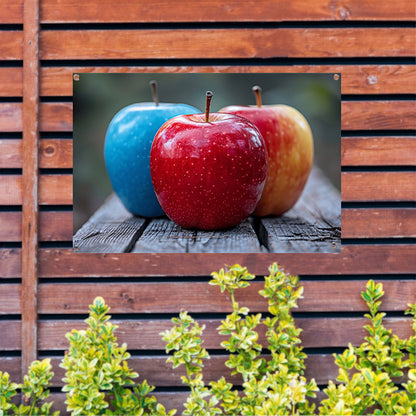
(98, 97)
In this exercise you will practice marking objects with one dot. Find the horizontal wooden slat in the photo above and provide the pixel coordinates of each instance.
(11, 342)
(229, 43)
(361, 259)
(378, 223)
(356, 223)
(384, 115)
(53, 153)
(202, 297)
(205, 11)
(10, 299)
(356, 186)
(215, 11)
(378, 186)
(53, 190)
(158, 372)
(376, 151)
(11, 117)
(53, 226)
(356, 79)
(11, 45)
(144, 334)
(375, 115)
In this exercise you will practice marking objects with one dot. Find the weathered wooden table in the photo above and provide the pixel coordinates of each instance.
(312, 225)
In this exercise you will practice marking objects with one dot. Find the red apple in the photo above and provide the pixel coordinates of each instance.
(289, 145)
(208, 170)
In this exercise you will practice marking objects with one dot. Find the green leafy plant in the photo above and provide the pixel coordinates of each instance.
(98, 379)
(34, 389)
(270, 387)
(367, 373)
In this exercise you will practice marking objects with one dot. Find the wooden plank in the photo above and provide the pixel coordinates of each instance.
(352, 260)
(144, 334)
(11, 117)
(13, 340)
(11, 45)
(11, 11)
(159, 373)
(30, 150)
(112, 229)
(53, 153)
(214, 11)
(312, 225)
(164, 236)
(10, 299)
(379, 223)
(198, 297)
(361, 259)
(11, 79)
(356, 223)
(384, 115)
(378, 186)
(10, 262)
(53, 190)
(365, 115)
(229, 43)
(53, 226)
(378, 151)
(356, 79)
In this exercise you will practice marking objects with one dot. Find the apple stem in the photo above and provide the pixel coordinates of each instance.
(153, 85)
(207, 105)
(257, 92)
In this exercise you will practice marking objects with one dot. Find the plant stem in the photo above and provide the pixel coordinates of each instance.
(257, 92)
(207, 105)
(153, 85)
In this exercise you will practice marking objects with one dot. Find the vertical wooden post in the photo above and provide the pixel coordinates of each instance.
(30, 181)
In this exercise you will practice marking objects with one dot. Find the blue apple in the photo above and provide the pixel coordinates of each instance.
(127, 147)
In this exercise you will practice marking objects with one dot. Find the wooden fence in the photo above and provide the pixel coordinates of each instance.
(45, 288)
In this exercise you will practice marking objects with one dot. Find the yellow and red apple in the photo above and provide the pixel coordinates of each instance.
(289, 144)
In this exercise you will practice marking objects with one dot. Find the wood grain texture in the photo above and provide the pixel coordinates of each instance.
(164, 236)
(53, 153)
(378, 223)
(376, 115)
(198, 297)
(356, 79)
(158, 372)
(53, 226)
(206, 11)
(11, 45)
(53, 190)
(378, 151)
(11, 79)
(362, 259)
(215, 11)
(112, 229)
(30, 182)
(144, 334)
(11, 117)
(10, 300)
(229, 43)
(13, 341)
(312, 225)
(378, 186)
